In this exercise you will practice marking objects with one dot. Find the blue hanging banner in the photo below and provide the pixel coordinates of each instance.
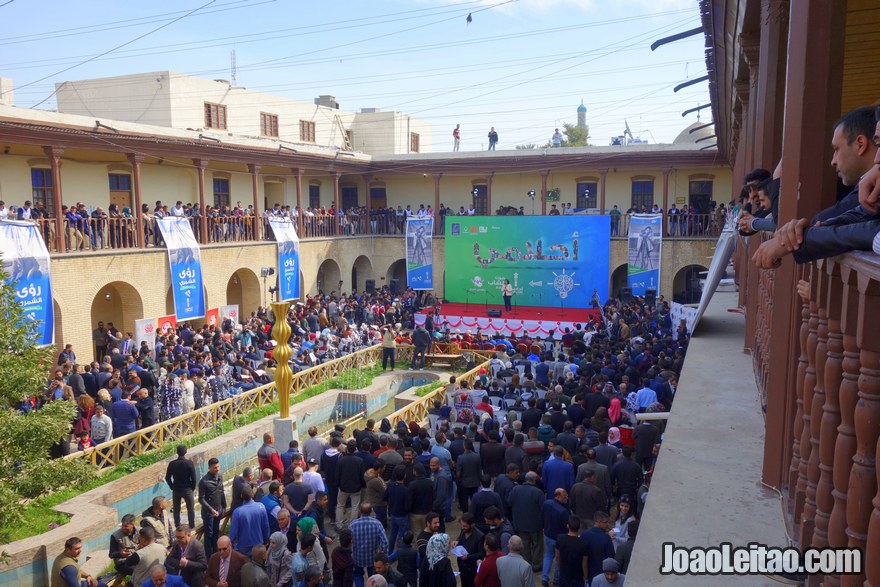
(645, 242)
(419, 254)
(26, 263)
(186, 268)
(288, 258)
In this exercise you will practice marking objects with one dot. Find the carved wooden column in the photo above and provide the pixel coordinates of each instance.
(830, 418)
(809, 389)
(489, 210)
(845, 444)
(254, 170)
(54, 154)
(336, 177)
(808, 530)
(863, 477)
(544, 175)
(201, 165)
(136, 160)
(297, 182)
(438, 228)
(664, 220)
(770, 102)
(803, 363)
(368, 204)
(602, 175)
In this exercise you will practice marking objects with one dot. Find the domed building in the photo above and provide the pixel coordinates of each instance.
(685, 137)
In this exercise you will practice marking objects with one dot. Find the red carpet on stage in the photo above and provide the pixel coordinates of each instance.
(536, 321)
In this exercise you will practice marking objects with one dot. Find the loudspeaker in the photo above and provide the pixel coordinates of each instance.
(394, 286)
(626, 294)
(651, 296)
(370, 285)
(494, 313)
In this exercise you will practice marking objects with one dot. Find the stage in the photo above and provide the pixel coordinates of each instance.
(535, 321)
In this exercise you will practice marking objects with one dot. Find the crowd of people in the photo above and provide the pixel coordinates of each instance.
(132, 386)
(539, 467)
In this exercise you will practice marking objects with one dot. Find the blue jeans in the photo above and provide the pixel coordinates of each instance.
(549, 557)
(359, 575)
(212, 533)
(399, 527)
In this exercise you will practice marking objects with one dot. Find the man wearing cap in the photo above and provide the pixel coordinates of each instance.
(611, 576)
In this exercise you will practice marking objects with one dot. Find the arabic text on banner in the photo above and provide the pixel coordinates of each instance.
(185, 262)
(26, 262)
(288, 258)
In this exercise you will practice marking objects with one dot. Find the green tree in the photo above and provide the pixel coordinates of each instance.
(575, 136)
(26, 469)
(527, 146)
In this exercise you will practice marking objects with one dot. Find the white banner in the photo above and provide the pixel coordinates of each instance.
(677, 313)
(145, 330)
(230, 312)
(717, 269)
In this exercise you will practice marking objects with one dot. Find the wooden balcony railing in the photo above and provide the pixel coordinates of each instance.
(832, 483)
(204, 419)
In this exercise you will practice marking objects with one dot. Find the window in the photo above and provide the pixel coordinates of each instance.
(700, 196)
(314, 196)
(120, 190)
(587, 193)
(120, 183)
(221, 192)
(306, 131)
(41, 189)
(268, 124)
(481, 205)
(215, 115)
(643, 194)
(413, 142)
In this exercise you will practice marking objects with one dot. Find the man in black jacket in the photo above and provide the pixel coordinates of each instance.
(123, 542)
(349, 480)
(422, 495)
(421, 341)
(181, 478)
(468, 468)
(187, 558)
(626, 475)
(486, 498)
(213, 502)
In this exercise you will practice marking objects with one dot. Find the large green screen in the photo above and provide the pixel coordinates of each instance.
(549, 260)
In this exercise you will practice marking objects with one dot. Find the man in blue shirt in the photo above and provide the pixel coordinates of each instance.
(558, 473)
(369, 537)
(124, 414)
(250, 523)
(599, 544)
(555, 513)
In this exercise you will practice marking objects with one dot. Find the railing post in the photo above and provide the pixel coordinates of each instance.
(809, 389)
(863, 477)
(845, 445)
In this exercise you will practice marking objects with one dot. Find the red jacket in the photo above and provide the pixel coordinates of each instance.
(269, 458)
(487, 576)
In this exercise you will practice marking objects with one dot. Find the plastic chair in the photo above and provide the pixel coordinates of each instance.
(495, 401)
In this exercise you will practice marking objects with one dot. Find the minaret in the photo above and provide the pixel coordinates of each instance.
(582, 115)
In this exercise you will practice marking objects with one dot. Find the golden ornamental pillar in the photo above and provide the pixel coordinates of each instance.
(281, 353)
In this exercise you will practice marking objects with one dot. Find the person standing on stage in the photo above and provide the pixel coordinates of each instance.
(507, 293)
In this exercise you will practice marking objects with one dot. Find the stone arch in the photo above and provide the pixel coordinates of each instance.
(397, 270)
(361, 271)
(329, 276)
(117, 302)
(618, 280)
(686, 286)
(243, 288)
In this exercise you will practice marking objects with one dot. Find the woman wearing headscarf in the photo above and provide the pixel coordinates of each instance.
(600, 422)
(614, 437)
(278, 563)
(614, 412)
(439, 572)
(385, 428)
(308, 525)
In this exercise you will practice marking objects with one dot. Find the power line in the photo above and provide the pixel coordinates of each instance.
(193, 11)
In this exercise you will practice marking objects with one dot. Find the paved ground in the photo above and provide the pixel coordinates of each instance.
(706, 488)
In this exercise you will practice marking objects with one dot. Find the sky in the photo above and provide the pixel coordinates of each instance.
(522, 66)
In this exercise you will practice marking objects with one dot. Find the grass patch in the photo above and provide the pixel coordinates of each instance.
(38, 514)
(426, 389)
